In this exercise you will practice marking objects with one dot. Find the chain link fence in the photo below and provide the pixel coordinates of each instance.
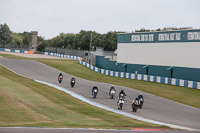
(16, 47)
(73, 52)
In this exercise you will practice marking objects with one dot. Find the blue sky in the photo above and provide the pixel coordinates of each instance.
(51, 17)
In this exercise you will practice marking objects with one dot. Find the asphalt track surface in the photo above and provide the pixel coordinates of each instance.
(155, 108)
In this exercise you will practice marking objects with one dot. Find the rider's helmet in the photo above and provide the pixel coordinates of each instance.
(140, 93)
(112, 86)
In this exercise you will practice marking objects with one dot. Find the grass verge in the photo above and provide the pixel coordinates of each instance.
(179, 94)
(24, 102)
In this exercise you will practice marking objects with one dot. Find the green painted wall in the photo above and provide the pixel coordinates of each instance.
(105, 63)
(159, 71)
(131, 68)
(178, 72)
(187, 73)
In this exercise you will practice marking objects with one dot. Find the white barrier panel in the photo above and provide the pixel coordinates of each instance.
(17, 51)
(102, 71)
(116, 74)
(151, 78)
(190, 84)
(139, 77)
(111, 73)
(26, 52)
(198, 85)
(127, 75)
(166, 80)
(7, 50)
(96, 69)
(132, 76)
(145, 77)
(181, 82)
(158, 79)
(106, 72)
(173, 81)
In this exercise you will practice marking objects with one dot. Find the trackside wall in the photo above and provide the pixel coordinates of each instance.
(150, 78)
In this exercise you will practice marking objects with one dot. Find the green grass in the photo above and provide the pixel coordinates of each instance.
(179, 94)
(24, 102)
(10, 56)
(183, 95)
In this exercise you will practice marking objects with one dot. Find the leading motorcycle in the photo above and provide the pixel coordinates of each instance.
(72, 82)
(94, 91)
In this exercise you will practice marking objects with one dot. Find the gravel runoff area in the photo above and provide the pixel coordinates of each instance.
(32, 55)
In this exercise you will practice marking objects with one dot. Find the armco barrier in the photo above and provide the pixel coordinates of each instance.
(16, 51)
(156, 79)
(62, 56)
(44, 53)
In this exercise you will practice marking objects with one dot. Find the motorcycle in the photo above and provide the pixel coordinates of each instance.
(72, 83)
(135, 105)
(60, 79)
(112, 93)
(94, 92)
(141, 101)
(120, 102)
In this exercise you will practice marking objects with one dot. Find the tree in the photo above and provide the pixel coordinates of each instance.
(26, 38)
(17, 40)
(5, 35)
(143, 30)
(110, 41)
(42, 45)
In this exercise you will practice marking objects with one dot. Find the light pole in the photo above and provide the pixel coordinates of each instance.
(90, 42)
(90, 58)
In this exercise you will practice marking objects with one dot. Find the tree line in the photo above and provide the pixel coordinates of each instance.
(80, 40)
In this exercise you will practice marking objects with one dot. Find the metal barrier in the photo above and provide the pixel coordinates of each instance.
(156, 79)
(74, 52)
(16, 51)
(62, 55)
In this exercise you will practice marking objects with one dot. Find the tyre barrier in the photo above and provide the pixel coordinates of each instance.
(16, 51)
(62, 55)
(150, 78)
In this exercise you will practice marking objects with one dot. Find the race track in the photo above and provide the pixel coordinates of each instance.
(154, 108)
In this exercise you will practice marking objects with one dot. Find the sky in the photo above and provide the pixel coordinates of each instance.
(52, 17)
